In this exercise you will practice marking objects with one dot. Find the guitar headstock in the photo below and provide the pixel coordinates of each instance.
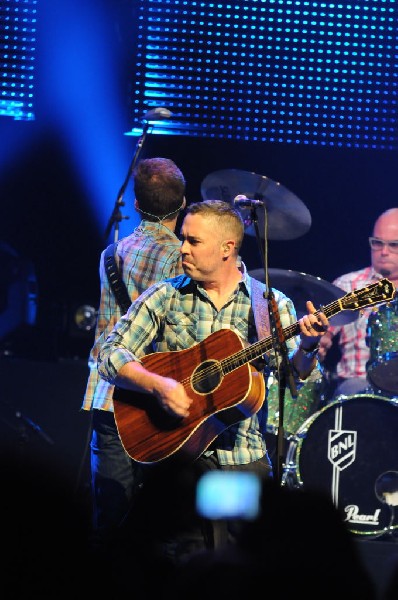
(381, 291)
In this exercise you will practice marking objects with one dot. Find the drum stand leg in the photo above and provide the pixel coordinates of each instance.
(289, 475)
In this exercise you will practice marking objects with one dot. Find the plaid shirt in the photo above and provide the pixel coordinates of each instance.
(151, 253)
(354, 350)
(176, 314)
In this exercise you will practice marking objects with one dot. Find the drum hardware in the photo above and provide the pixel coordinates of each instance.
(349, 449)
(386, 488)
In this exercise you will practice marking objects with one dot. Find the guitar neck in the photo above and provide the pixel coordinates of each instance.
(373, 294)
(255, 350)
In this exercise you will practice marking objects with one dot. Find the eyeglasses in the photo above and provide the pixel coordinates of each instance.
(377, 244)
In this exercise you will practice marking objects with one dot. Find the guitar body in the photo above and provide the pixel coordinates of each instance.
(150, 435)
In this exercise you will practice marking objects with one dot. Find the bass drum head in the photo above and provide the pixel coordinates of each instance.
(348, 449)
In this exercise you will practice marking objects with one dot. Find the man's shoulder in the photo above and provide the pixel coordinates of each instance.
(177, 282)
(141, 248)
(354, 279)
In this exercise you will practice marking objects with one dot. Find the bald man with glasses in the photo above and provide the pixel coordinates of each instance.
(350, 374)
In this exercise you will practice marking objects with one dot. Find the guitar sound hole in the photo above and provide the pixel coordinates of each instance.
(207, 377)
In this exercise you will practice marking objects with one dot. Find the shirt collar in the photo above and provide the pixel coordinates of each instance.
(246, 279)
(374, 274)
(151, 226)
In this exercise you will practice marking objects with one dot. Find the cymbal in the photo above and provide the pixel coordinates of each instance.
(287, 216)
(300, 287)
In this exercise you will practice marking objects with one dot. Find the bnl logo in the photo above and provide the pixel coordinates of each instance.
(342, 447)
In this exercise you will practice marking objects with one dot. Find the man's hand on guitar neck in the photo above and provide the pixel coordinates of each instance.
(170, 394)
(312, 327)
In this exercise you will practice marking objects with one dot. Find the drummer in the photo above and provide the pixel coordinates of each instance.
(349, 342)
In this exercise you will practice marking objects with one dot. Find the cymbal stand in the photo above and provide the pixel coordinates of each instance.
(284, 368)
(116, 215)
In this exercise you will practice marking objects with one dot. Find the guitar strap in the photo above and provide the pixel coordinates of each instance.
(260, 309)
(116, 282)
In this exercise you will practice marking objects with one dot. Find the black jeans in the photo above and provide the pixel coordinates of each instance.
(115, 477)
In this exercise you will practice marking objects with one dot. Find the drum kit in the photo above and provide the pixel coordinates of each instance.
(347, 448)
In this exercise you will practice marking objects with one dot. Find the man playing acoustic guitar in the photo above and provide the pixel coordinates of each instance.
(188, 398)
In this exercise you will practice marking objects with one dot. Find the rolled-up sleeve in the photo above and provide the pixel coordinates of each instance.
(288, 317)
(113, 356)
(130, 339)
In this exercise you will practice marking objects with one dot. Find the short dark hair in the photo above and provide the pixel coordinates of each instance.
(228, 218)
(159, 187)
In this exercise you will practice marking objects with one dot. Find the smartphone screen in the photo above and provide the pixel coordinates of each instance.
(228, 495)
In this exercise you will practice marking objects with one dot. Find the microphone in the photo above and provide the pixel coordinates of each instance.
(155, 114)
(242, 201)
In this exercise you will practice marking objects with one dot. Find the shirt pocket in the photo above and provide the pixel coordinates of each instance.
(181, 330)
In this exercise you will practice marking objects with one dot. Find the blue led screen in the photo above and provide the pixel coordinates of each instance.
(18, 23)
(317, 73)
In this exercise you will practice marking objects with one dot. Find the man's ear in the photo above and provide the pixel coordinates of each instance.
(228, 245)
(136, 204)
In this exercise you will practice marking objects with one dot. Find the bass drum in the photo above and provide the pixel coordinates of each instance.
(382, 340)
(347, 450)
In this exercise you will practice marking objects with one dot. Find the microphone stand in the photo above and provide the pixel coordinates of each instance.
(116, 215)
(21, 424)
(285, 372)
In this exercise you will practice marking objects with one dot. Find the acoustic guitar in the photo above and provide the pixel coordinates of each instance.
(225, 388)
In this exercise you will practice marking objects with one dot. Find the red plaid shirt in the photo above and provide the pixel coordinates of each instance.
(353, 345)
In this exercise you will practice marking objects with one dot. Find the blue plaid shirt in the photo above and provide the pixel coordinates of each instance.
(176, 314)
